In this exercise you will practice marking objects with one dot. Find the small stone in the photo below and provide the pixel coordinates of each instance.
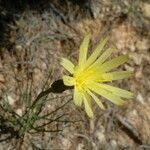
(128, 68)
(137, 58)
(19, 111)
(143, 45)
(2, 79)
(138, 73)
(132, 47)
(11, 100)
(140, 98)
(146, 9)
(66, 143)
(95, 7)
(18, 47)
(80, 146)
(134, 112)
(101, 137)
(113, 144)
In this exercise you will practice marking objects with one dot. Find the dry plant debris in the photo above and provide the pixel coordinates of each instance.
(38, 40)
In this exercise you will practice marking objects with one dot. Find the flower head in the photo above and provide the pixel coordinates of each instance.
(90, 76)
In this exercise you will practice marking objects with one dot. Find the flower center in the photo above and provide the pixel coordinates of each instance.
(79, 81)
(81, 78)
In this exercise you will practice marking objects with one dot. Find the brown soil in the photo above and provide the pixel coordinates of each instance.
(38, 40)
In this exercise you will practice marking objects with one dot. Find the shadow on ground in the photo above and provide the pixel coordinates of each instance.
(10, 11)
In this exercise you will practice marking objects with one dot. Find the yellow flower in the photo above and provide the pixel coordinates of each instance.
(90, 76)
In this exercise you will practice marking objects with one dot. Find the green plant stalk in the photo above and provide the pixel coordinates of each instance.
(32, 113)
(30, 117)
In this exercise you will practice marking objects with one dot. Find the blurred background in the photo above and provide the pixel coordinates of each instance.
(36, 34)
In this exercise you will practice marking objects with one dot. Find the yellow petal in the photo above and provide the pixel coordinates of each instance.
(111, 76)
(107, 77)
(96, 52)
(68, 81)
(68, 65)
(83, 50)
(117, 75)
(111, 64)
(87, 104)
(117, 91)
(103, 57)
(99, 103)
(77, 97)
(108, 95)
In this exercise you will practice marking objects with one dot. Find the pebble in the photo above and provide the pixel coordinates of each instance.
(113, 144)
(146, 9)
(80, 146)
(137, 58)
(128, 68)
(66, 143)
(19, 111)
(138, 73)
(2, 79)
(11, 100)
(142, 45)
(101, 137)
(140, 98)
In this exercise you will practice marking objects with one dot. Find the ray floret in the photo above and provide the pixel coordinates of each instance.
(90, 76)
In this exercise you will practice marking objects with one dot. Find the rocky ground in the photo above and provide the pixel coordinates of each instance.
(36, 37)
